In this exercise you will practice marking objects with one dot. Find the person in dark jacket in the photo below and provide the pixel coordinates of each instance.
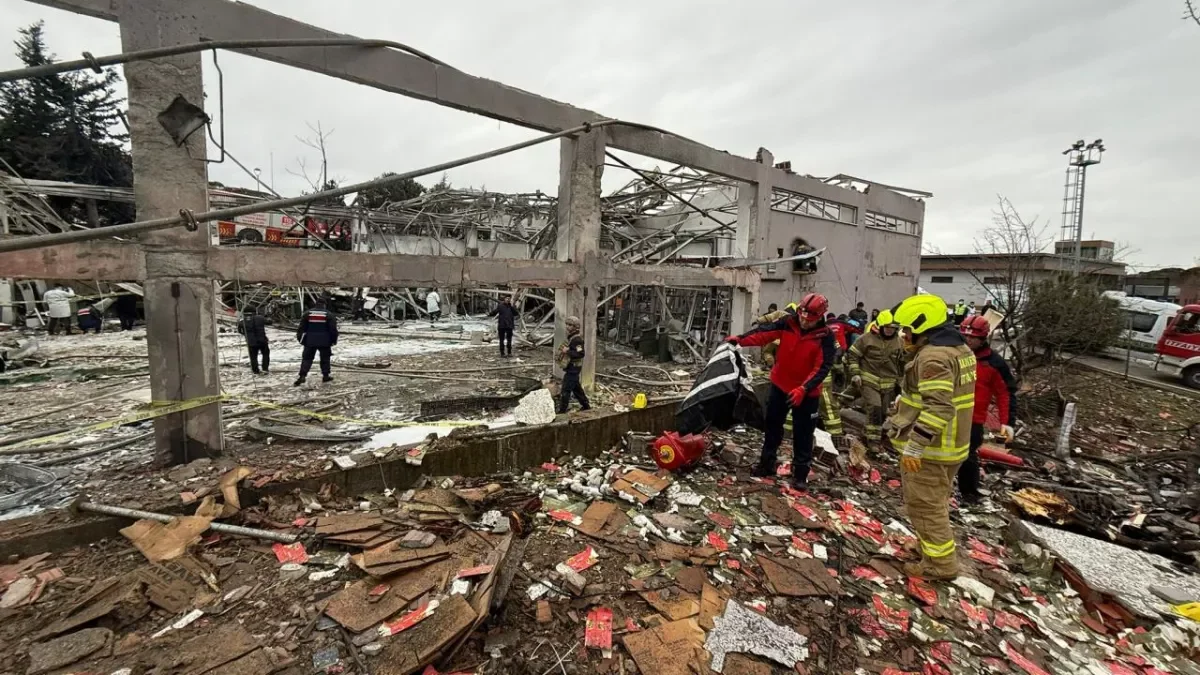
(506, 316)
(994, 381)
(859, 314)
(126, 307)
(254, 326)
(570, 359)
(806, 353)
(318, 333)
(89, 317)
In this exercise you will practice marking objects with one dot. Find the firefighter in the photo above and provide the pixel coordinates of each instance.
(875, 362)
(806, 352)
(318, 333)
(994, 382)
(830, 410)
(570, 359)
(932, 427)
(773, 314)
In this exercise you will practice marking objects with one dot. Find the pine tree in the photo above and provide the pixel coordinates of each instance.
(65, 127)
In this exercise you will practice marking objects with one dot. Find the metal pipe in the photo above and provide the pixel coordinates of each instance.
(664, 188)
(41, 241)
(98, 62)
(164, 518)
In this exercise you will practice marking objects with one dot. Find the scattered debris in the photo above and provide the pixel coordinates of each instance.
(742, 630)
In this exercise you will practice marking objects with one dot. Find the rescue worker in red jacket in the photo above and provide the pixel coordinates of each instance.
(994, 382)
(805, 355)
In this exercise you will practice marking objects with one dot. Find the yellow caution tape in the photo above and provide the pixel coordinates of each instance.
(156, 410)
(340, 418)
(162, 408)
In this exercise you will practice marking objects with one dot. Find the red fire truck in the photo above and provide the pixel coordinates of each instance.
(1179, 345)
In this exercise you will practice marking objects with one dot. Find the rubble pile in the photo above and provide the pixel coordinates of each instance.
(605, 565)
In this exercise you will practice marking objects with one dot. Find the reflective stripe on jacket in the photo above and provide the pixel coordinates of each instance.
(877, 360)
(937, 399)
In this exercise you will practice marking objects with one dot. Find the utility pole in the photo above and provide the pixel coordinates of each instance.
(1079, 157)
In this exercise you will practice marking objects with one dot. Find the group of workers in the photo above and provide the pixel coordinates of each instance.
(317, 333)
(935, 376)
(88, 316)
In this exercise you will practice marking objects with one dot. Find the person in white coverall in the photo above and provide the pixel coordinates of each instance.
(433, 305)
(58, 306)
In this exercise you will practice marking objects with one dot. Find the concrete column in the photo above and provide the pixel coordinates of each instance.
(581, 165)
(8, 312)
(181, 329)
(751, 238)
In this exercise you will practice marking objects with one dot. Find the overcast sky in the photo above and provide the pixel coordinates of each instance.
(964, 100)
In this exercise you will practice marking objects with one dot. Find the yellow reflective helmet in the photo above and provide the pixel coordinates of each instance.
(791, 306)
(885, 318)
(920, 313)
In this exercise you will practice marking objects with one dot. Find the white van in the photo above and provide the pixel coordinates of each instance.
(1146, 319)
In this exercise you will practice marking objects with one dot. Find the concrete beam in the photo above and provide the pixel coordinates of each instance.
(401, 73)
(98, 260)
(301, 267)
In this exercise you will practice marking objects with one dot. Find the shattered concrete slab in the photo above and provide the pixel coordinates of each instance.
(68, 649)
(1124, 573)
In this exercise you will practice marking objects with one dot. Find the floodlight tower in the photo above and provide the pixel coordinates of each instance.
(1079, 157)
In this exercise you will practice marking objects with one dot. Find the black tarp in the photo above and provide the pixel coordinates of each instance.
(722, 395)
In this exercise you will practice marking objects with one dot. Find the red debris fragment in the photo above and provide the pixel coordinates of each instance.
(1022, 661)
(868, 624)
(942, 651)
(986, 558)
(807, 512)
(562, 516)
(582, 560)
(893, 483)
(290, 553)
(866, 574)
(717, 542)
(894, 619)
(1006, 620)
(1120, 668)
(631, 626)
(921, 590)
(933, 668)
(721, 519)
(407, 621)
(733, 563)
(598, 634)
(976, 615)
(801, 545)
(876, 477)
(551, 467)
(476, 571)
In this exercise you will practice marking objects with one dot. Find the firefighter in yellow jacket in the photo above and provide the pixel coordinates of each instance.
(876, 365)
(932, 427)
(773, 314)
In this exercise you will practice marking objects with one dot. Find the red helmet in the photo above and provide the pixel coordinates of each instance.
(812, 307)
(976, 326)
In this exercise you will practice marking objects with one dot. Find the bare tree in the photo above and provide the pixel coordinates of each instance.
(1048, 319)
(1190, 12)
(316, 141)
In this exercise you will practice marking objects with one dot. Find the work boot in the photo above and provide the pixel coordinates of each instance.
(299, 381)
(266, 372)
(925, 571)
(327, 378)
(762, 470)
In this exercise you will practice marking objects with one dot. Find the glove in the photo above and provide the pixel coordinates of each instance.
(910, 458)
(1008, 433)
(733, 340)
(856, 380)
(797, 396)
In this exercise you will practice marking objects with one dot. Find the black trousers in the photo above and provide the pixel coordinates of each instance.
(90, 324)
(56, 322)
(968, 472)
(571, 386)
(506, 336)
(306, 360)
(265, 350)
(804, 422)
(127, 321)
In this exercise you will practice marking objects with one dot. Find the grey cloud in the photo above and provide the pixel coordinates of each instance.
(965, 100)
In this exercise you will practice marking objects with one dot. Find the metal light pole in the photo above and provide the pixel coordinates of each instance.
(1079, 157)
(257, 180)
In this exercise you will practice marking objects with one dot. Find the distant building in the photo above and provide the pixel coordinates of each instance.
(1094, 249)
(979, 277)
(1169, 284)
